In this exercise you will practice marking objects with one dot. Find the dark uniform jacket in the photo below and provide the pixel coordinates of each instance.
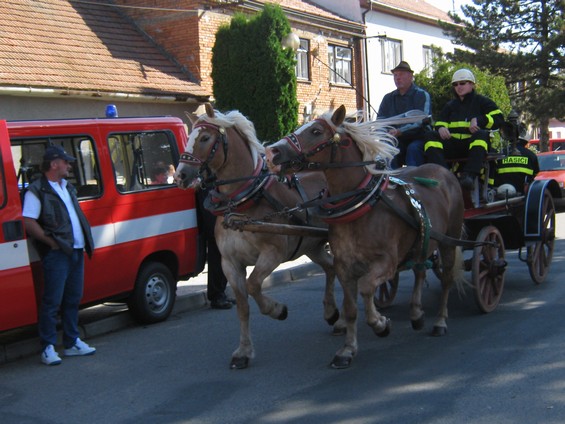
(55, 219)
(456, 115)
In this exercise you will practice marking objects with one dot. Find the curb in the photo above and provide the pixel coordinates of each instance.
(29, 345)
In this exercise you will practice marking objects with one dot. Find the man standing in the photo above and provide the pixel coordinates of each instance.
(407, 96)
(54, 219)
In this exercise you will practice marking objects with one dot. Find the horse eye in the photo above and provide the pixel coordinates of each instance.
(316, 131)
(205, 138)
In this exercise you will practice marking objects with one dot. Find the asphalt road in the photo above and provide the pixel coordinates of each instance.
(504, 367)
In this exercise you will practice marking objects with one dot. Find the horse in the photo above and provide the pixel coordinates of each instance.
(380, 221)
(224, 152)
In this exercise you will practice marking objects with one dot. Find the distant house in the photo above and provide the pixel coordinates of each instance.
(70, 58)
(62, 59)
(399, 30)
(329, 68)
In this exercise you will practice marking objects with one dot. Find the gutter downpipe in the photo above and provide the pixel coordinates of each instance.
(366, 60)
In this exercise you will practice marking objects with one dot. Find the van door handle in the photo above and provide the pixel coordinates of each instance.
(13, 230)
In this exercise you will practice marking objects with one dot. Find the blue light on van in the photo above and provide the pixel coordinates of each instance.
(111, 111)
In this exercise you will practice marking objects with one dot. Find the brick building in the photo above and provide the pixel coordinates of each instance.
(328, 42)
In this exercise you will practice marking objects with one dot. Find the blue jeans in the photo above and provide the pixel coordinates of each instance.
(62, 289)
(411, 153)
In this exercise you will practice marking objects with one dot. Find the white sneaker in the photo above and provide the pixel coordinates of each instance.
(80, 349)
(49, 356)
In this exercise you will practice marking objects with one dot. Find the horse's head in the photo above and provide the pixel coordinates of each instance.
(314, 141)
(330, 139)
(205, 150)
(217, 143)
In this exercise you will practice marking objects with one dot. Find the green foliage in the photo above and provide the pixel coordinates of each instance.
(438, 84)
(522, 40)
(254, 74)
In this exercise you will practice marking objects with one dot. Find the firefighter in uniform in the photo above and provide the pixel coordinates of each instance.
(462, 129)
(519, 168)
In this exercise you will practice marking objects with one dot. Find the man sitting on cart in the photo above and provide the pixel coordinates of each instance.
(462, 129)
(521, 165)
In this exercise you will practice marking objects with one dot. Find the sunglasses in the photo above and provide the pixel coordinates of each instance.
(455, 84)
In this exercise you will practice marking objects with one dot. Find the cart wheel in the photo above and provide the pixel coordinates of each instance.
(386, 293)
(540, 254)
(488, 267)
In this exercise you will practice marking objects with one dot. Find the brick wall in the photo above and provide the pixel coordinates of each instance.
(189, 36)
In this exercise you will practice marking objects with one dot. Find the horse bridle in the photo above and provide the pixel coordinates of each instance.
(190, 159)
(335, 141)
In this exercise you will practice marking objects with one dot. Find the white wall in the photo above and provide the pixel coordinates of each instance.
(414, 36)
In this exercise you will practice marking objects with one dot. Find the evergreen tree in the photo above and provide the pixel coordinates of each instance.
(522, 40)
(254, 74)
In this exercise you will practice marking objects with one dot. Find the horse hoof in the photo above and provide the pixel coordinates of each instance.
(439, 331)
(239, 363)
(339, 331)
(418, 324)
(284, 314)
(340, 362)
(386, 331)
(333, 319)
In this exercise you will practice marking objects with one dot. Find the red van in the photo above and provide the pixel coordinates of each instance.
(554, 144)
(144, 227)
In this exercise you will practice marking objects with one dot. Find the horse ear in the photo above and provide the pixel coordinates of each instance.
(192, 117)
(338, 116)
(209, 110)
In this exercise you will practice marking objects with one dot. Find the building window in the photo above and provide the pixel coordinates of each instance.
(339, 61)
(428, 54)
(391, 54)
(302, 55)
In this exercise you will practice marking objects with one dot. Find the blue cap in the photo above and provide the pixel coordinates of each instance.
(56, 152)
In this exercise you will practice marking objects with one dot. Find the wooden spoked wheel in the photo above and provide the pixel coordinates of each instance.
(540, 254)
(386, 292)
(488, 267)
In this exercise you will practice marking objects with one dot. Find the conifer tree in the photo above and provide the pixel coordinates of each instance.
(524, 41)
(254, 73)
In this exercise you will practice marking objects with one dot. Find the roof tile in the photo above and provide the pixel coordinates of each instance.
(75, 45)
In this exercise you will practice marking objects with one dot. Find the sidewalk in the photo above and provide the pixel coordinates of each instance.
(110, 317)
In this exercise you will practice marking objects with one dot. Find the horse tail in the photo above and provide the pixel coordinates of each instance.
(459, 272)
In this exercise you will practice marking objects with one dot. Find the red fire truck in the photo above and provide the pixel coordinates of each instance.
(144, 227)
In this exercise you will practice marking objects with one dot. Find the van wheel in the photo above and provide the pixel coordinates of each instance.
(154, 294)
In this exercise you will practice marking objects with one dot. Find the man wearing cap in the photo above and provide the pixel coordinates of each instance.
(407, 96)
(53, 218)
(462, 129)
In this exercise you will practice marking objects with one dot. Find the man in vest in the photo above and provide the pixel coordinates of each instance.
(462, 129)
(53, 218)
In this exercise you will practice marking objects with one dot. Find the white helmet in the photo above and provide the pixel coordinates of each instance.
(506, 190)
(463, 75)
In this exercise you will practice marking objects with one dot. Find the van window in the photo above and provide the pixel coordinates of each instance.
(143, 161)
(27, 155)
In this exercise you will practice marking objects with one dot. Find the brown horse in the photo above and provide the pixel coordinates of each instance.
(380, 222)
(224, 149)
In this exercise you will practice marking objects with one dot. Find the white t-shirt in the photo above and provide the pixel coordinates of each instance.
(32, 209)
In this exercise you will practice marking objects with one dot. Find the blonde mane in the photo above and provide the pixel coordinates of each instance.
(371, 137)
(242, 125)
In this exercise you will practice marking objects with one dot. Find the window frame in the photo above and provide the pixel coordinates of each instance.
(336, 64)
(388, 62)
(302, 67)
